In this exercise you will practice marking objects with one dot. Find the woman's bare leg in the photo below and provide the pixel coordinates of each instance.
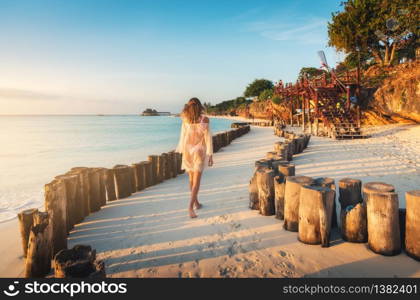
(196, 188)
(191, 177)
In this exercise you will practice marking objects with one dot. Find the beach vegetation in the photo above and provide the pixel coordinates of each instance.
(255, 88)
(266, 94)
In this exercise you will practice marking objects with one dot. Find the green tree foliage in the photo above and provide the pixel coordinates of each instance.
(228, 105)
(310, 72)
(265, 95)
(378, 27)
(276, 99)
(255, 88)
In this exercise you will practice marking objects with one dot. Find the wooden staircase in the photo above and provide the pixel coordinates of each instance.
(339, 120)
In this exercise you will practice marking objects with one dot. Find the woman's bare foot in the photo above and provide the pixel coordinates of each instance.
(198, 205)
(192, 213)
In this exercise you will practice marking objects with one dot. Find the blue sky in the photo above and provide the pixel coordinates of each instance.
(124, 56)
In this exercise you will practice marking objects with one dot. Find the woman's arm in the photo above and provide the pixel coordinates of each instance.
(209, 141)
(180, 147)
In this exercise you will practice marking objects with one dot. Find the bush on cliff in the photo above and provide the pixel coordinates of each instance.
(255, 88)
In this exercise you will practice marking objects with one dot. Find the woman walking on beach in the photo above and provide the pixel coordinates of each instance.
(196, 146)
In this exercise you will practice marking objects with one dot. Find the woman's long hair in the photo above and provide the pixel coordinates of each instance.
(192, 110)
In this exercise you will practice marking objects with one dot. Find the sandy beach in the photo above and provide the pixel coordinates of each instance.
(150, 234)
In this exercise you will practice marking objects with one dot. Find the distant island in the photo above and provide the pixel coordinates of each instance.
(154, 112)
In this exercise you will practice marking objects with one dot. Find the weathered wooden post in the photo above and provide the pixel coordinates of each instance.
(383, 223)
(154, 162)
(78, 262)
(354, 223)
(165, 166)
(161, 167)
(56, 206)
(290, 149)
(315, 213)
(253, 193)
(110, 184)
(72, 189)
(173, 163)
(350, 192)
(139, 173)
(291, 200)
(102, 187)
(329, 183)
(25, 224)
(84, 200)
(122, 181)
(40, 246)
(412, 227)
(95, 190)
(265, 183)
(284, 170)
(132, 179)
(376, 187)
(148, 172)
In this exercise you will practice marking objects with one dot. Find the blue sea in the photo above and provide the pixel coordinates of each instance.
(34, 149)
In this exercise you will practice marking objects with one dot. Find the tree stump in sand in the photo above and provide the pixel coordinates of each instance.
(166, 171)
(25, 224)
(315, 213)
(276, 163)
(122, 181)
(279, 185)
(354, 223)
(132, 179)
(290, 150)
(264, 163)
(383, 223)
(39, 254)
(291, 200)
(376, 187)
(281, 149)
(300, 142)
(110, 184)
(139, 173)
(401, 218)
(84, 194)
(56, 206)
(161, 163)
(154, 162)
(173, 166)
(78, 262)
(102, 187)
(72, 193)
(95, 190)
(272, 155)
(329, 183)
(350, 192)
(253, 193)
(265, 183)
(412, 227)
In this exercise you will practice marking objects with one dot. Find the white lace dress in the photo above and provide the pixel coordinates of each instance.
(195, 144)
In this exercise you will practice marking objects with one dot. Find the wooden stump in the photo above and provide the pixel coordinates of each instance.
(329, 183)
(166, 171)
(122, 181)
(376, 187)
(300, 143)
(265, 183)
(315, 213)
(286, 169)
(84, 194)
(290, 150)
(291, 200)
(354, 223)
(78, 262)
(173, 165)
(253, 193)
(148, 172)
(350, 192)
(154, 165)
(72, 189)
(39, 254)
(161, 163)
(25, 224)
(272, 155)
(56, 206)
(383, 223)
(401, 218)
(139, 173)
(110, 184)
(265, 163)
(102, 187)
(279, 187)
(95, 190)
(132, 179)
(412, 227)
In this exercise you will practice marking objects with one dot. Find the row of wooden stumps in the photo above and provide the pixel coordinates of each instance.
(70, 197)
(255, 123)
(368, 213)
